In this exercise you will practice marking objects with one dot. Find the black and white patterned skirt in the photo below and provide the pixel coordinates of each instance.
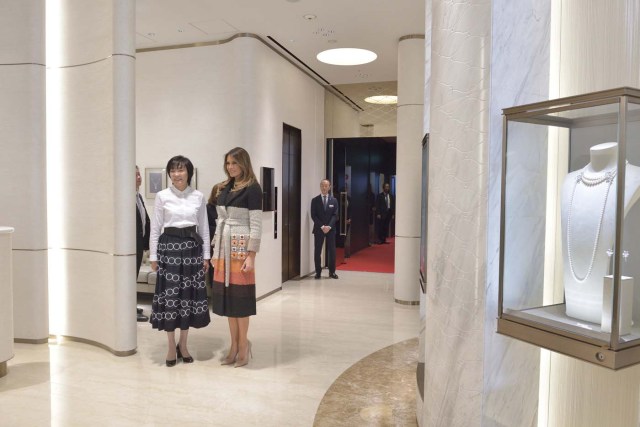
(180, 298)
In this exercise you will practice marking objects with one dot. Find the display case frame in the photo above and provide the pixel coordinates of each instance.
(604, 349)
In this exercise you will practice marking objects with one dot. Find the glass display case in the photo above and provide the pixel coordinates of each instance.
(570, 226)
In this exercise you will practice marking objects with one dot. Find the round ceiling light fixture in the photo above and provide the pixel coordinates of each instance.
(346, 56)
(382, 99)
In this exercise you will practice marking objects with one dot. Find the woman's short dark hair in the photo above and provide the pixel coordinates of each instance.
(178, 162)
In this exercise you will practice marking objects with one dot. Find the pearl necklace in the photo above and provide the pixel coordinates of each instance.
(588, 181)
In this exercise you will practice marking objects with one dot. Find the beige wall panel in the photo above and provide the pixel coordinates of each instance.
(409, 171)
(201, 102)
(23, 147)
(97, 166)
(6, 296)
(341, 121)
(22, 31)
(87, 31)
(599, 48)
(389, 128)
(99, 303)
(23, 161)
(411, 72)
(123, 171)
(93, 276)
(598, 45)
(30, 295)
(124, 27)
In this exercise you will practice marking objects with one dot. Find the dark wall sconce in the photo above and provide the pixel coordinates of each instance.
(267, 182)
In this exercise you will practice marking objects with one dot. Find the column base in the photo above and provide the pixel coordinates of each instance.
(119, 353)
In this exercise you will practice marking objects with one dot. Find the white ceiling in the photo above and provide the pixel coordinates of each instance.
(370, 24)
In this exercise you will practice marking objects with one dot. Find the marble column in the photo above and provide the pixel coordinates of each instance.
(406, 283)
(23, 161)
(598, 45)
(520, 63)
(457, 212)
(6, 299)
(91, 169)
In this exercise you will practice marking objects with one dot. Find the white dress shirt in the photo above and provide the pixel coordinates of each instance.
(175, 208)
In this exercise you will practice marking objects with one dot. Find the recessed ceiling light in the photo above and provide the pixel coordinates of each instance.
(332, 41)
(346, 56)
(382, 99)
(309, 16)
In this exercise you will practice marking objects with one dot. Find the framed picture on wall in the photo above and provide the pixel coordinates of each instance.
(155, 181)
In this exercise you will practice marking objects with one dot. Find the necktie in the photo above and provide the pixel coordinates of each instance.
(387, 200)
(324, 202)
(141, 210)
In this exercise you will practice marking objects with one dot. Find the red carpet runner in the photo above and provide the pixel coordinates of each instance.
(375, 259)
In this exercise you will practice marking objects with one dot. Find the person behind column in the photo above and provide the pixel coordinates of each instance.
(212, 217)
(181, 258)
(143, 226)
(384, 213)
(324, 213)
(237, 240)
(371, 209)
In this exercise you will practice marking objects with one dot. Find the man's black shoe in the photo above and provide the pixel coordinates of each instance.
(142, 318)
(333, 276)
(139, 310)
(317, 276)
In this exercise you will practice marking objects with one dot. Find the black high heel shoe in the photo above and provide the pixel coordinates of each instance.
(188, 359)
(171, 363)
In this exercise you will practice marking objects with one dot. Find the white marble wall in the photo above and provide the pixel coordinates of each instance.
(519, 75)
(408, 169)
(91, 143)
(458, 179)
(23, 164)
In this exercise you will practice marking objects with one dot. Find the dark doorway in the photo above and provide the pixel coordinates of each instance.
(362, 165)
(291, 177)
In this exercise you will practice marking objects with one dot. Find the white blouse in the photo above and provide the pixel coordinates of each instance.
(175, 208)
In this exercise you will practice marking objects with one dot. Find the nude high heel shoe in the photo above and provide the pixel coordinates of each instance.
(243, 361)
(230, 359)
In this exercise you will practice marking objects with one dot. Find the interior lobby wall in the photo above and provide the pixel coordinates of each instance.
(341, 121)
(520, 61)
(23, 161)
(202, 101)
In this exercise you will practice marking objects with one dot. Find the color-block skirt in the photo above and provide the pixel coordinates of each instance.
(239, 298)
(180, 298)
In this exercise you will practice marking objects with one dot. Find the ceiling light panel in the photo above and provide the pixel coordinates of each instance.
(346, 56)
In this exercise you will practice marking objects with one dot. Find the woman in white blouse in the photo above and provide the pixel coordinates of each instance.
(180, 258)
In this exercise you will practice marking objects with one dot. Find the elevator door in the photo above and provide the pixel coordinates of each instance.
(291, 176)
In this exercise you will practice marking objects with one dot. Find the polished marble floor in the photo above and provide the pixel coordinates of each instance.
(304, 338)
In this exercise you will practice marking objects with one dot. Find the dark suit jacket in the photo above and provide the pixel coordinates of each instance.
(147, 229)
(381, 205)
(321, 217)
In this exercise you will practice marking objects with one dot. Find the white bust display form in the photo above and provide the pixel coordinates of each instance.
(588, 226)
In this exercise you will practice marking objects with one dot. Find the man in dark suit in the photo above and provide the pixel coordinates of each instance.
(384, 213)
(143, 228)
(324, 213)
